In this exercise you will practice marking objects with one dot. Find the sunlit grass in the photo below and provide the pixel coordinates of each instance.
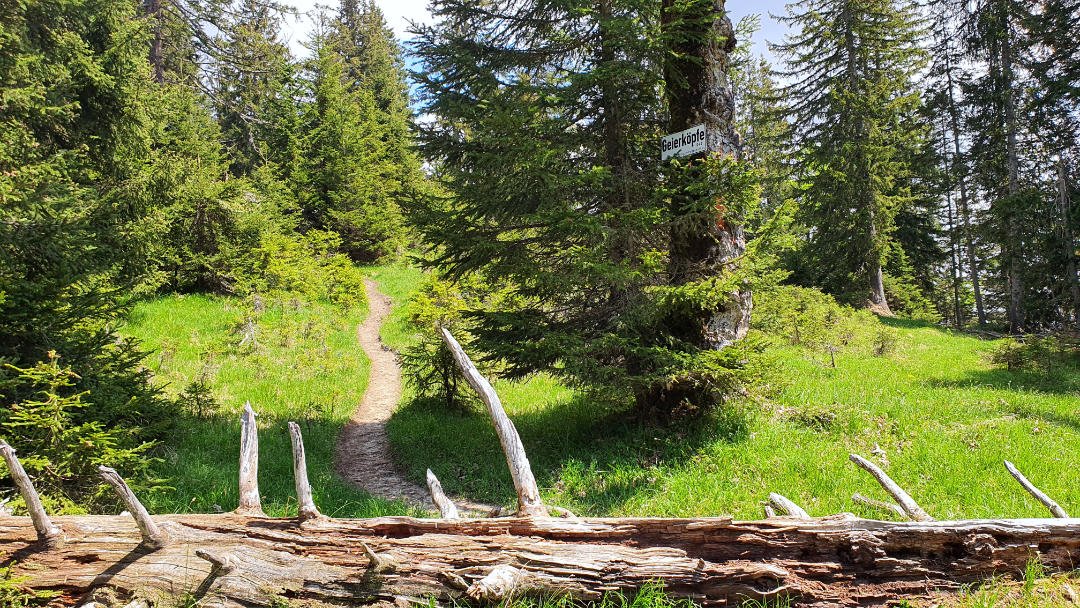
(304, 365)
(944, 417)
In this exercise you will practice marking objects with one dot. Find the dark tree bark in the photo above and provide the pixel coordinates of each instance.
(961, 178)
(701, 37)
(153, 10)
(1014, 278)
(1067, 241)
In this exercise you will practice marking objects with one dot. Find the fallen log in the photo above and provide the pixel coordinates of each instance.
(835, 561)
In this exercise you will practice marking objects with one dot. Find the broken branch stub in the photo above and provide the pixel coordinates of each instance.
(907, 503)
(250, 502)
(1039, 495)
(529, 502)
(307, 509)
(152, 536)
(46, 530)
(219, 565)
(880, 505)
(786, 506)
(447, 508)
(498, 585)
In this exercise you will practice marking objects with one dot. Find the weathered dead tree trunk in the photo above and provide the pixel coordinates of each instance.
(528, 494)
(837, 561)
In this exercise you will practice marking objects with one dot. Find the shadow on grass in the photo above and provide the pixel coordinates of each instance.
(618, 454)
(1060, 381)
(987, 333)
(1046, 415)
(200, 469)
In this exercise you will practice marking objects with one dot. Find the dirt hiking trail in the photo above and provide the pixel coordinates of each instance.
(363, 450)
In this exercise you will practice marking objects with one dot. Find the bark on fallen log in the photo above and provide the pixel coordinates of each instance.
(229, 560)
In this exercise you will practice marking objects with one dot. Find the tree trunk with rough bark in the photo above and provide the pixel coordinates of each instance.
(1067, 241)
(1014, 280)
(698, 92)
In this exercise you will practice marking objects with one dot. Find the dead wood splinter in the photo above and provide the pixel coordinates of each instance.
(307, 509)
(784, 505)
(46, 530)
(152, 535)
(447, 508)
(529, 502)
(1039, 495)
(250, 502)
(907, 503)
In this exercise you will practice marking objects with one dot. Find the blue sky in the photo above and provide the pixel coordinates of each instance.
(400, 12)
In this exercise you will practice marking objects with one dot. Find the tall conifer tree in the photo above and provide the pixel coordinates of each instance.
(614, 270)
(347, 180)
(850, 97)
(252, 95)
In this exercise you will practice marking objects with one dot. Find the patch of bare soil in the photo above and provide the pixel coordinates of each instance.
(363, 450)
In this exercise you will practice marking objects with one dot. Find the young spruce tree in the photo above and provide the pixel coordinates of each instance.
(347, 179)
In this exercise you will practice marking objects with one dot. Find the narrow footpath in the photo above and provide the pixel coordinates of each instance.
(363, 450)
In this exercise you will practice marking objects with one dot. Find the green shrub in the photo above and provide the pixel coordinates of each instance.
(1035, 353)
(885, 341)
(287, 265)
(58, 441)
(802, 316)
(428, 364)
(907, 300)
(14, 595)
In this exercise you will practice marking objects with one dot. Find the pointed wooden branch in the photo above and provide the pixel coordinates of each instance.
(250, 502)
(307, 509)
(152, 536)
(529, 502)
(379, 562)
(46, 530)
(769, 512)
(880, 505)
(1039, 495)
(498, 585)
(447, 508)
(220, 566)
(908, 504)
(786, 506)
(563, 512)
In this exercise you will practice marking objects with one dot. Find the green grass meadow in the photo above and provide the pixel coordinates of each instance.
(944, 417)
(933, 411)
(304, 365)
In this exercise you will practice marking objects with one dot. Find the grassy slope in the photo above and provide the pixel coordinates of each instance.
(307, 368)
(943, 415)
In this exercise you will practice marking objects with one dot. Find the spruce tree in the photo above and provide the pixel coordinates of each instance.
(945, 84)
(994, 41)
(850, 95)
(607, 267)
(252, 95)
(75, 146)
(374, 66)
(347, 179)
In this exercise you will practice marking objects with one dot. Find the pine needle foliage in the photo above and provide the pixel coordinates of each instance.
(544, 124)
(850, 98)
